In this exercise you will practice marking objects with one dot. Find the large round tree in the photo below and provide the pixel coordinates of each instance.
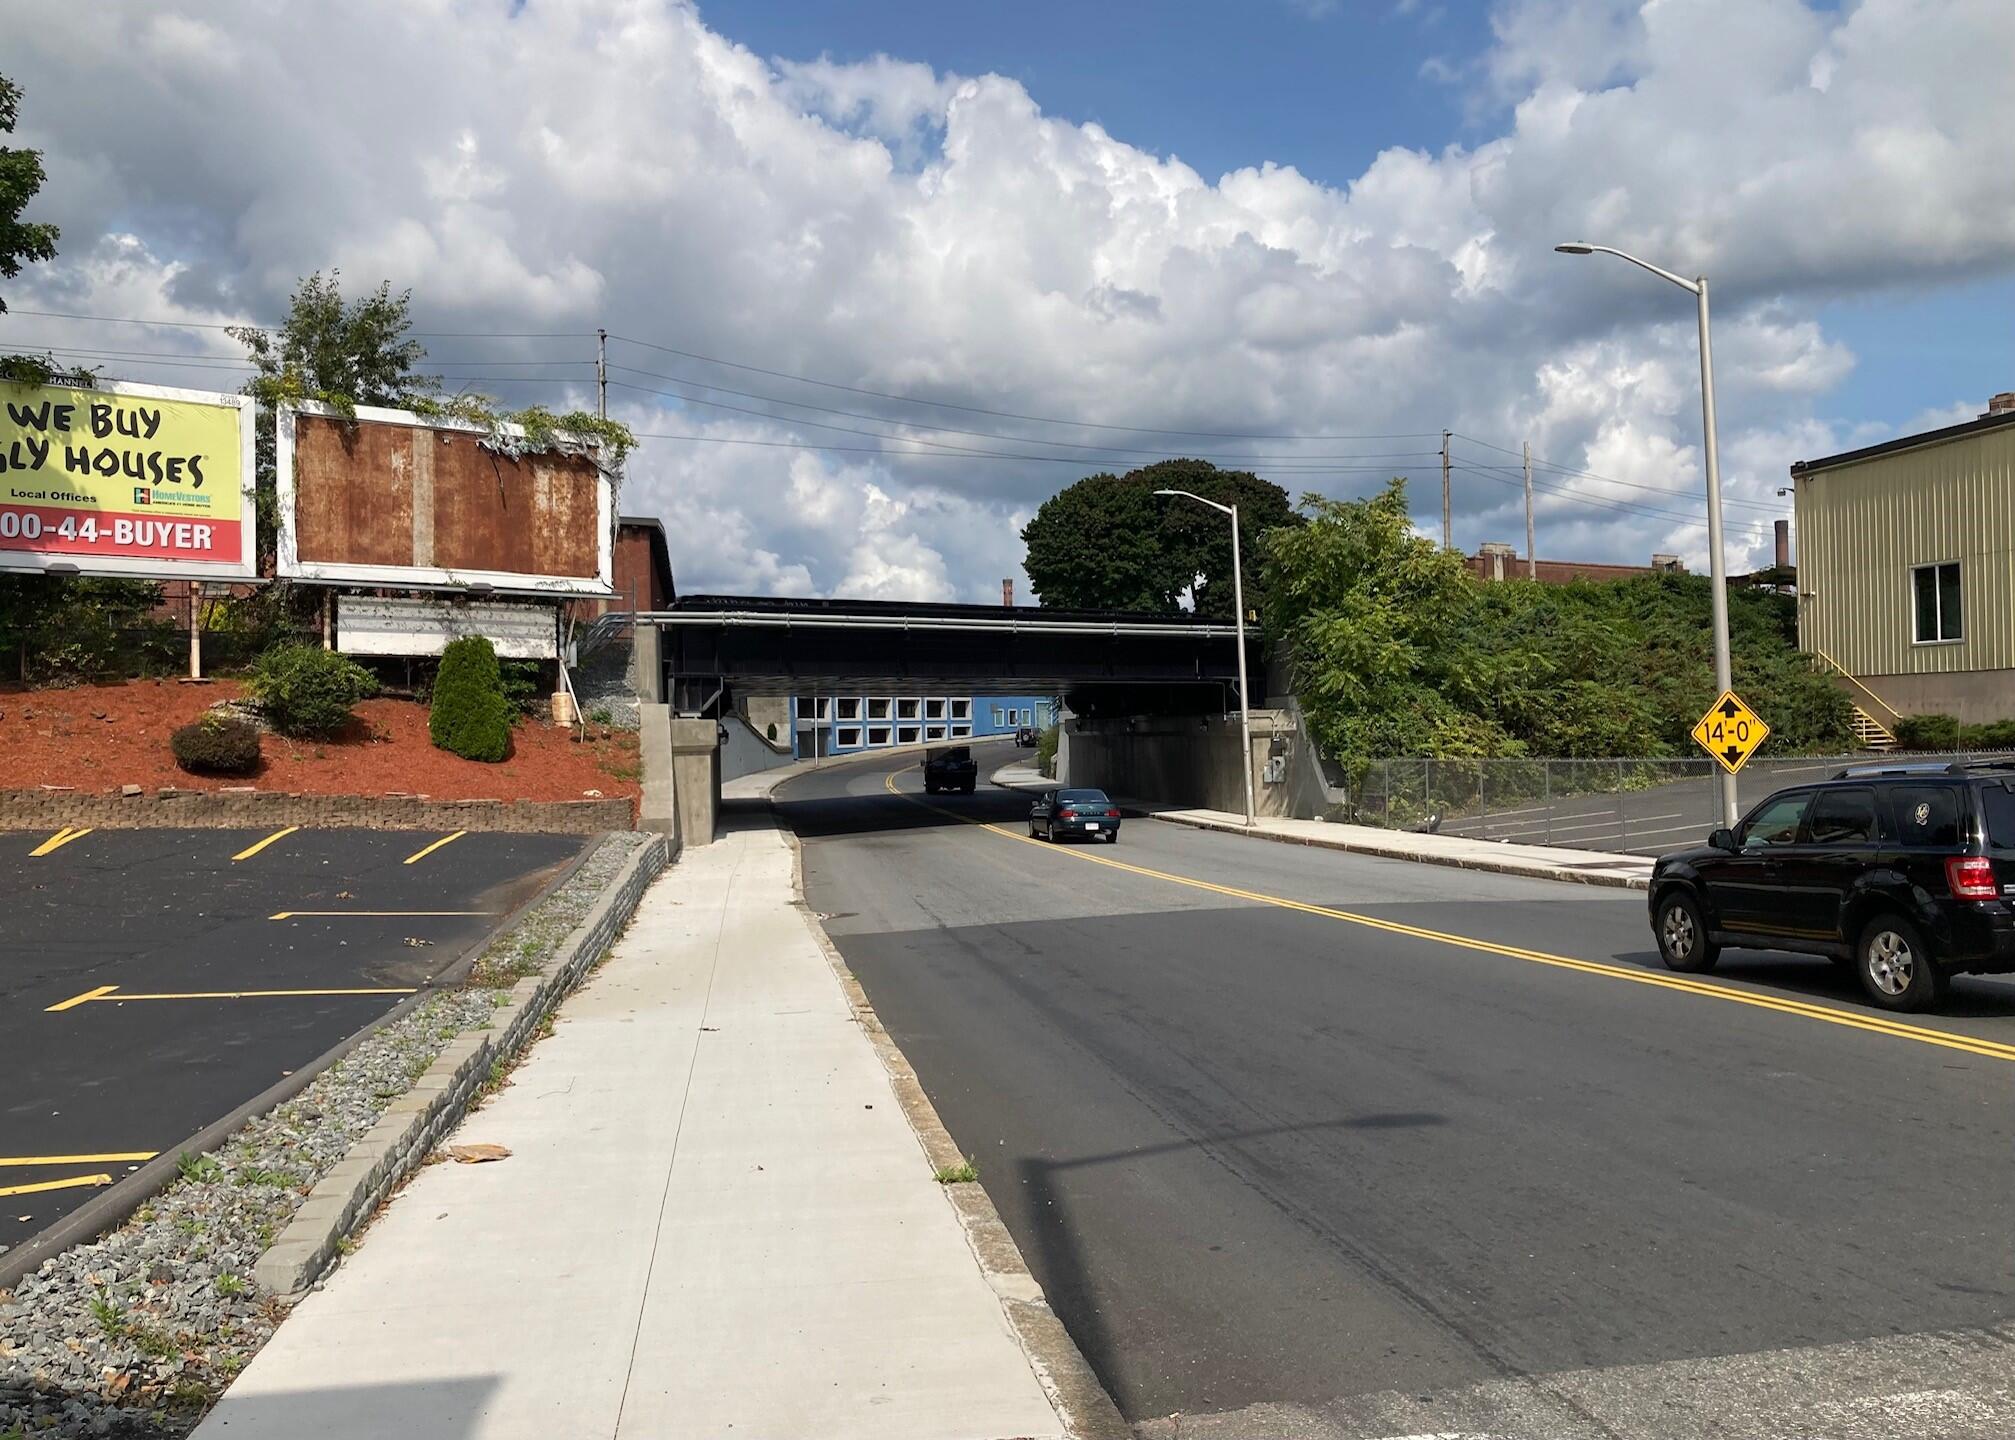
(1109, 543)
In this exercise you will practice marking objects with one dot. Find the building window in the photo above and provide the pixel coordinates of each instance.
(1042, 714)
(1937, 595)
(960, 732)
(908, 734)
(962, 709)
(878, 734)
(909, 709)
(1000, 717)
(850, 708)
(878, 709)
(934, 732)
(934, 709)
(846, 737)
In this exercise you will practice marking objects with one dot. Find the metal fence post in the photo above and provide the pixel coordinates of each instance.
(1546, 769)
(1622, 820)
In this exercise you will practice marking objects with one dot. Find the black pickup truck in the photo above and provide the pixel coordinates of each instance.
(952, 768)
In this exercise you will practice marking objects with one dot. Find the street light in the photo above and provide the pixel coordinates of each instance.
(1717, 562)
(1238, 600)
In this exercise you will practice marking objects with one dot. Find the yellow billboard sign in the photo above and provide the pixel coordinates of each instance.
(125, 479)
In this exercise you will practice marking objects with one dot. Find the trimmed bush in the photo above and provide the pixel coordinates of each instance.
(470, 716)
(1927, 732)
(306, 690)
(217, 745)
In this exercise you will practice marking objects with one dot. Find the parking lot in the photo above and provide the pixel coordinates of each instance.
(151, 981)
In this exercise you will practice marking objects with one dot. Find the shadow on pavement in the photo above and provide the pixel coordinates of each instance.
(1977, 997)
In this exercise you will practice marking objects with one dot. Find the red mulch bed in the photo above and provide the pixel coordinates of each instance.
(99, 737)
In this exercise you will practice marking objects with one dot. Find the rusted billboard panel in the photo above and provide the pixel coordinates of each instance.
(389, 498)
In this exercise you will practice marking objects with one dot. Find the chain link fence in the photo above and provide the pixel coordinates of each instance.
(1644, 807)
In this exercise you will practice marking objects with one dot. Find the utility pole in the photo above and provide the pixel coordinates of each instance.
(602, 373)
(1531, 548)
(1447, 510)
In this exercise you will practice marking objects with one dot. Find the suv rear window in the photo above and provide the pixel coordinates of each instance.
(1998, 803)
(1925, 814)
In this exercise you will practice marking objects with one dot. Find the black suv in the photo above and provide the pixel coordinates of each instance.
(1897, 870)
(951, 769)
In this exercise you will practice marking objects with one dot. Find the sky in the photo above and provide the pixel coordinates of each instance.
(881, 277)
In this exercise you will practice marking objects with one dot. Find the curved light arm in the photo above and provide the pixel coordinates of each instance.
(1187, 495)
(1580, 247)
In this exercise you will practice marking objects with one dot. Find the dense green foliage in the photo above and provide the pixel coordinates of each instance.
(1397, 651)
(217, 745)
(470, 716)
(1045, 749)
(1109, 543)
(20, 177)
(1944, 732)
(60, 630)
(524, 683)
(306, 690)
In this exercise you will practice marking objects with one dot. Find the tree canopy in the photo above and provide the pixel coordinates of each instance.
(1109, 543)
(1398, 651)
(20, 177)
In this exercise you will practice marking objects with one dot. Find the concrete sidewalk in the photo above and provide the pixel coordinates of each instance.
(714, 1221)
(1547, 862)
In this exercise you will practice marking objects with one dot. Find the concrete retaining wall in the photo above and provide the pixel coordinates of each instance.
(249, 809)
(1175, 760)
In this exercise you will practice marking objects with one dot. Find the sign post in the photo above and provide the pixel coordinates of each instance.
(1731, 732)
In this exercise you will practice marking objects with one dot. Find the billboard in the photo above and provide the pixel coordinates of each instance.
(389, 498)
(123, 479)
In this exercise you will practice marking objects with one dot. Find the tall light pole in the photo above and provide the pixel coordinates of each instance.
(1238, 600)
(1717, 562)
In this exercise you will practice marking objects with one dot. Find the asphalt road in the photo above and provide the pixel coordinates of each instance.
(126, 957)
(1371, 1148)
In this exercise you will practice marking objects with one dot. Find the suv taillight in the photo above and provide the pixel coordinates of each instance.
(1971, 878)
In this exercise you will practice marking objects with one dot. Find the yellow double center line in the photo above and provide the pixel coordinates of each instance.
(1831, 1015)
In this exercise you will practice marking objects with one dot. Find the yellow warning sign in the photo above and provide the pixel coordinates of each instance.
(1731, 732)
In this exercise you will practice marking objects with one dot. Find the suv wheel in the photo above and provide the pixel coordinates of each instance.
(1896, 966)
(1682, 935)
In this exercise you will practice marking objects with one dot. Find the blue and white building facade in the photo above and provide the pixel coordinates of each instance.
(845, 724)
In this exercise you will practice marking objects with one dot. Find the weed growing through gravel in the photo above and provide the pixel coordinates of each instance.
(203, 1169)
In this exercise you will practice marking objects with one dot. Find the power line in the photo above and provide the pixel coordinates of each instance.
(986, 434)
(1762, 505)
(1009, 414)
(274, 329)
(1599, 502)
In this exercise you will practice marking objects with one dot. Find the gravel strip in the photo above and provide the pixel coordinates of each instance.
(139, 1332)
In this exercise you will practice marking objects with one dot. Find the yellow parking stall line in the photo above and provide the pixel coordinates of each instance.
(250, 850)
(39, 1162)
(401, 914)
(59, 840)
(115, 994)
(419, 855)
(1827, 1014)
(76, 1182)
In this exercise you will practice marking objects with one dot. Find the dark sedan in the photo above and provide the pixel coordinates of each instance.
(1075, 812)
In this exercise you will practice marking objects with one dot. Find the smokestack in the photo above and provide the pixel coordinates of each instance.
(2001, 404)
(1007, 592)
(1783, 544)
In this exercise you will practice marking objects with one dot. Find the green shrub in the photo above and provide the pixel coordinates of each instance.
(1927, 732)
(217, 745)
(524, 683)
(306, 690)
(470, 716)
(1994, 735)
(1045, 750)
